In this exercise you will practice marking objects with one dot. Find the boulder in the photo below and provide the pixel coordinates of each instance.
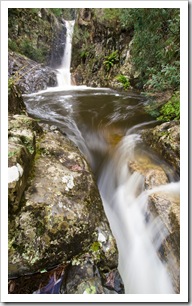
(164, 139)
(60, 214)
(30, 75)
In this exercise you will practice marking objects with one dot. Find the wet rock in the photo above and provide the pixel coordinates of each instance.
(153, 173)
(112, 282)
(29, 75)
(84, 276)
(164, 139)
(61, 213)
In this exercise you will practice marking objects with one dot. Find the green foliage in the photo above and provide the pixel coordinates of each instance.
(110, 60)
(12, 45)
(36, 54)
(66, 13)
(111, 16)
(56, 11)
(123, 80)
(166, 78)
(155, 49)
(171, 109)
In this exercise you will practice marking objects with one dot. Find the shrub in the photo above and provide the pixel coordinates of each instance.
(12, 45)
(123, 80)
(110, 60)
(171, 109)
(35, 54)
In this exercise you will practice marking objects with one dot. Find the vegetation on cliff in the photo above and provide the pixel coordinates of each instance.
(33, 32)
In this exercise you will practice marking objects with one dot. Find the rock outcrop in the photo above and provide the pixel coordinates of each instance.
(100, 51)
(164, 139)
(29, 75)
(55, 210)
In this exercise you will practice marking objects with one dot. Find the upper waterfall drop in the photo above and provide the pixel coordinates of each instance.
(64, 75)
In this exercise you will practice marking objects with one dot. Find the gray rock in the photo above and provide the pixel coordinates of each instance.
(29, 75)
(84, 276)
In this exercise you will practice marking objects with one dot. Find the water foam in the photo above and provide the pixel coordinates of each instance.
(138, 237)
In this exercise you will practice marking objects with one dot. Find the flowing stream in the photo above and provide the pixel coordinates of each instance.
(105, 124)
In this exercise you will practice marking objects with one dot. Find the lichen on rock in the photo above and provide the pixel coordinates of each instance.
(61, 212)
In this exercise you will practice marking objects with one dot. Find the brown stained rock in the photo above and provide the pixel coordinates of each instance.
(164, 139)
(61, 213)
(153, 173)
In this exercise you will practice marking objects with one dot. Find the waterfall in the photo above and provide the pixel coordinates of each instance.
(64, 75)
(138, 234)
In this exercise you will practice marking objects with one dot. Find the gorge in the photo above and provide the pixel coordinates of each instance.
(138, 187)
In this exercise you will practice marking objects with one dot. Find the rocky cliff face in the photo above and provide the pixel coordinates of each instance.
(100, 51)
(39, 33)
(29, 75)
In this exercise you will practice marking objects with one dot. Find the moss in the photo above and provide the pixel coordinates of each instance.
(40, 228)
(13, 153)
(96, 246)
(91, 290)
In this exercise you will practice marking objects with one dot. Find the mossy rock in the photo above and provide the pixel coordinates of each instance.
(61, 212)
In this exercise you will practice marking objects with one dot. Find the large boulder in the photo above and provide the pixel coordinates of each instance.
(30, 75)
(60, 214)
(164, 139)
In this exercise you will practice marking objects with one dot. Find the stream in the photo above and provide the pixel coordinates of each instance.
(105, 124)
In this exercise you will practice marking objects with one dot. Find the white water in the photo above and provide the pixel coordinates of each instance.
(138, 234)
(64, 75)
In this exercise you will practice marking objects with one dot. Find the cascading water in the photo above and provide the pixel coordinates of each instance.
(64, 75)
(138, 236)
(88, 116)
